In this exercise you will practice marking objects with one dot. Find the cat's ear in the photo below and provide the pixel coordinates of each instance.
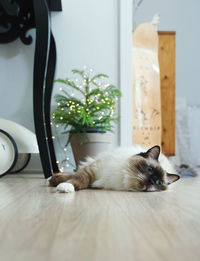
(172, 178)
(153, 152)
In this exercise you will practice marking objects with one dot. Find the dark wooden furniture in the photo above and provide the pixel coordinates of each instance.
(16, 18)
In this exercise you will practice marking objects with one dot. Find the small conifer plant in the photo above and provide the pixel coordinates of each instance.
(86, 103)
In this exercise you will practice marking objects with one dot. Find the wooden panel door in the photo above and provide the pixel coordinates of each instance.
(167, 53)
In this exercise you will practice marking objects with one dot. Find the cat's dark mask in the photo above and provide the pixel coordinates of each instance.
(151, 176)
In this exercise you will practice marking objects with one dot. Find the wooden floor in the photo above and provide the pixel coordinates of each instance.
(36, 223)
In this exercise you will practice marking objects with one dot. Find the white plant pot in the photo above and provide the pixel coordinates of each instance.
(94, 145)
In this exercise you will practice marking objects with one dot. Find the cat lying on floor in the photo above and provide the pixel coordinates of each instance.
(126, 169)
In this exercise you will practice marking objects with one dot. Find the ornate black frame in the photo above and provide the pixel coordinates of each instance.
(16, 18)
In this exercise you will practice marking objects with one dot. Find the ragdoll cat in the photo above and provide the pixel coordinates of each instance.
(126, 169)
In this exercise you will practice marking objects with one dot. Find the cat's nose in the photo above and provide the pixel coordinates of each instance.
(152, 181)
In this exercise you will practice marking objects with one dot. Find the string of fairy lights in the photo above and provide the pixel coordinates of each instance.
(81, 83)
(64, 155)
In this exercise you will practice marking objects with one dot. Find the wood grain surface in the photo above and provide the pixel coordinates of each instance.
(167, 57)
(36, 223)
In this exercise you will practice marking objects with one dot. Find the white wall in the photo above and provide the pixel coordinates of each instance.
(182, 17)
(16, 80)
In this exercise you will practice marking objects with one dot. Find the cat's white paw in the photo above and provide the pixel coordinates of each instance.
(65, 187)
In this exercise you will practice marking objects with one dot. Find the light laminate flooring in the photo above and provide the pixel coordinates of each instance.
(37, 224)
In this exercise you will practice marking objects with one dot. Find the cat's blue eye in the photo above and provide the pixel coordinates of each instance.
(159, 182)
(149, 168)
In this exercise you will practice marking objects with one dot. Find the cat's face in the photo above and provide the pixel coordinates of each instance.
(146, 173)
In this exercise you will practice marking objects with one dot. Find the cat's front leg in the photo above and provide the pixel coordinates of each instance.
(82, 179)
(60, 182)
(67, 182)
(71, 185)
(65, 187)
(55, 180)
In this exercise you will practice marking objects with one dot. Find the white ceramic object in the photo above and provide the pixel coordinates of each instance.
(21, 163)
(95, 144)
(8, 152)
(24, 138)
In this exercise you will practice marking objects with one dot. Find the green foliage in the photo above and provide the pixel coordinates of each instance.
(89, 105)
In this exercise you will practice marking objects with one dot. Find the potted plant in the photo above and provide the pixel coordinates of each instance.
(86, 109)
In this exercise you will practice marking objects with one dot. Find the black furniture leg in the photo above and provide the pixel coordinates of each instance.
(40, 63)
(47, 100)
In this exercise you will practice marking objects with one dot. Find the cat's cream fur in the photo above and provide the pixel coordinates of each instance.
(123, 169)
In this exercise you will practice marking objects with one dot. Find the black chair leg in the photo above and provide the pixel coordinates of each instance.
(47, 100)
(40, 63)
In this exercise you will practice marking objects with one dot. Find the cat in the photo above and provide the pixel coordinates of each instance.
(126, 169)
